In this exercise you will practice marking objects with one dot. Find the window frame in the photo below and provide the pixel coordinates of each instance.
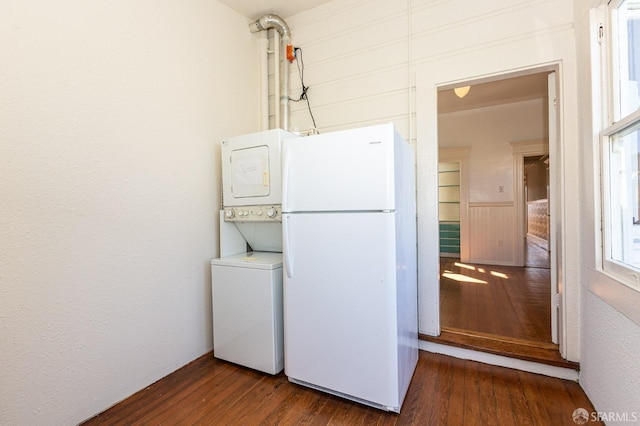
(612, 124)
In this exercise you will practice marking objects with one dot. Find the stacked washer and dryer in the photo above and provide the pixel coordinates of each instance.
(247, 278)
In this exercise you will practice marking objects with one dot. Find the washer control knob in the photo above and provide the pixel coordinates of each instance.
(229, 214)
(271, 212)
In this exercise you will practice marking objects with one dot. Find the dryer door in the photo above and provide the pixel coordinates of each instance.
(251, 168)
(250, 172)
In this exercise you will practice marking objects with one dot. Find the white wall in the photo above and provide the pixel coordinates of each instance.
(610, 312)
(609, 370)
(489, 132)
(372, 61)
(110, 119)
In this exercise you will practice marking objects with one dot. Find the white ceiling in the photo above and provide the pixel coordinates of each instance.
(254, 9)
(508, 90)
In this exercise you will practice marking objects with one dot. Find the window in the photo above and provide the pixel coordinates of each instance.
(621, 141)
(625, 37)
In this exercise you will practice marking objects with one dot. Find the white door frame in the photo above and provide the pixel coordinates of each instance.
(520, 151)
(428, 81)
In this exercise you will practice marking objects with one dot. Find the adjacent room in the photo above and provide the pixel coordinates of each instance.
(493, 181)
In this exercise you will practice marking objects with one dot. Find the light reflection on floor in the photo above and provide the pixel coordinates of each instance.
(468, 279)
(462, 278)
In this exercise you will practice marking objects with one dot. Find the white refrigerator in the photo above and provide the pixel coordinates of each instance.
(349, 254)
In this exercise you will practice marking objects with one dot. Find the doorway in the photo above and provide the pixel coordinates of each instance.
(537, 212)
(489, 290)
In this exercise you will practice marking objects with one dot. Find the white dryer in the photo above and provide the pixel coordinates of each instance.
(251, 168)
(251, 192)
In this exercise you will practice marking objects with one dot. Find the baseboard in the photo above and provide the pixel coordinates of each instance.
(499, 360)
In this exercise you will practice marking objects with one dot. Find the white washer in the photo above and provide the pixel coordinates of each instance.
(247, 310)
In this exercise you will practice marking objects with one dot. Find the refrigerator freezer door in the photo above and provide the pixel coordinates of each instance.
(351, 170)
(340, 304)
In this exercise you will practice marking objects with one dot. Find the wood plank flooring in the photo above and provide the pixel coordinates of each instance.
(506, 301)
(536, 256)
(444, 391)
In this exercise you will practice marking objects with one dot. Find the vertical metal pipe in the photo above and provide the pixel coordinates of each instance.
(274, 21)
(284, 97)
(264, 82)
(276, 79)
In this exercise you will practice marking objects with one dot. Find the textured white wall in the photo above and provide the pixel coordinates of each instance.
(610, 312)
(110, 119)
(609, 370)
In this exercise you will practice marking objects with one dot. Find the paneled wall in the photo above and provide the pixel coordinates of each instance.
(374, 61)
(491, 236)
(360, 55)
(356, 64)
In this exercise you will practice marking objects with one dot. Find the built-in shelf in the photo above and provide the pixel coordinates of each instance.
(449, 208)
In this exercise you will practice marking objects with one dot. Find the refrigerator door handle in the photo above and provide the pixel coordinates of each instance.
(286, 251)
(285, 180)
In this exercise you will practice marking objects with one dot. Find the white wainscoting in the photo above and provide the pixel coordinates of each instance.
(491, 233)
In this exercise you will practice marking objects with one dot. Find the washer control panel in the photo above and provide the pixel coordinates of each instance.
(253, 214)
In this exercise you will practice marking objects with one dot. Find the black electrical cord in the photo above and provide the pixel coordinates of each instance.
(305, 89)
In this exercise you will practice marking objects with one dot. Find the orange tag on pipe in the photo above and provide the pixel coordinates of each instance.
(291, 54)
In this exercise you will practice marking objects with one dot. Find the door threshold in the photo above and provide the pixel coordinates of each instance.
(527, 350)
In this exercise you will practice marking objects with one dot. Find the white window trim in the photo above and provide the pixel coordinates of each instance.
(616, 284)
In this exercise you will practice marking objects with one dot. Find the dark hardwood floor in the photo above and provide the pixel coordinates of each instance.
(499, 309)
(512, 302)
(536, 256)
(444, 391)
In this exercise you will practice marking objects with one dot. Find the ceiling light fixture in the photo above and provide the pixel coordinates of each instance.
(461, 92)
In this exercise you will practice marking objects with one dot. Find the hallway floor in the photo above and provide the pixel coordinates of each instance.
(536, 256)
(512, 302)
